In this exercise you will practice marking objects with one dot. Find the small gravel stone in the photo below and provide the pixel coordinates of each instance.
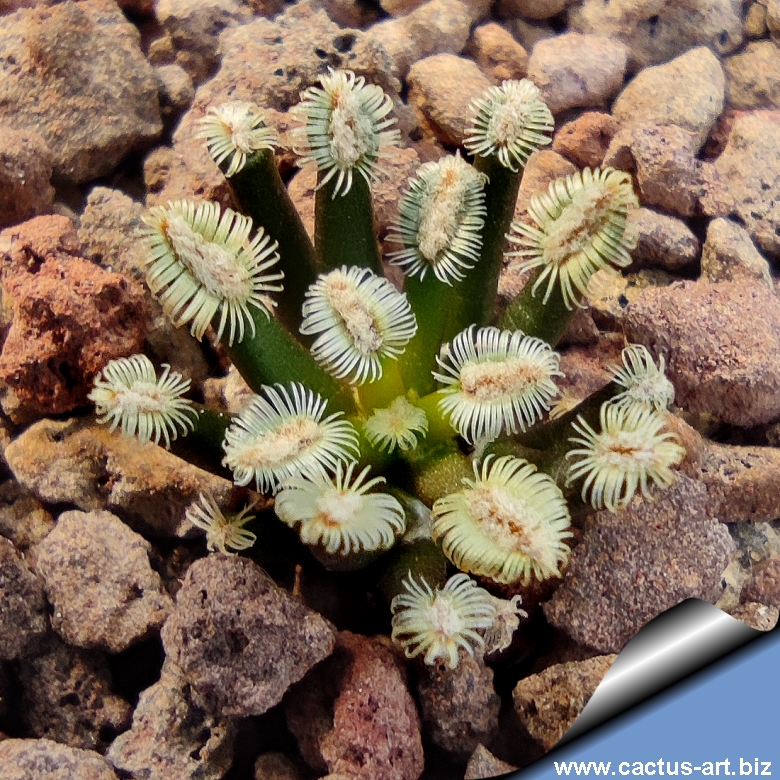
(176, 88)
(355, 717)
(548, 703)
(663, 160)
(351, 13)
(630, 566)
(758, 616)
(755, 21)
(67, 697)
(82, 463)
(764, 584)
(483, 764)
(441, 89)
(23, 623)
(69, 319)
(97, 576)
(721, 343)
(660, 30)
(728, 254)
(586, 139)
(109, 231)
(459, 706)
(25, 173)
(23, 519)
(663, 241)
(749, 175)
(498, 53)
(687, 92)
(194, 27)
(773, 18)
(171, 737)
(239, 639)
(436, 27)
(533, 9)
(577, 71)
(75, 74)
(43, 759)
(542, 168)
(276, 766)
(753, 76)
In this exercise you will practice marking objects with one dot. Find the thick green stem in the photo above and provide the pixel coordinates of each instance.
(438, 471)
(261, 194)
(379, 394)
(477, 292)
(431, 302)
(344, 231)
(529, 313)
(202, 446)
(273, 355)
(439, 427)
(422, 560)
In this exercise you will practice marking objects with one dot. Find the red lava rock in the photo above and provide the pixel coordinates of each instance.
(585, 139)
(69, 319)
(355, 715)
(764, 585)
(239, 639)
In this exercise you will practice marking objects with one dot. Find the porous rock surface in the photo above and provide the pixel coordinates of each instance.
(459, 707)
(97, 576)
(239, 639)
(436, 27)
(498, 53)
(483, 764)
(662, 241)
(355, 715)
(721, 343)
(67, 697)
(69, 319)
(44, 759)
(758, 616)
(687, 92)
(729, 254)
(549, 702)
(441, 89)
(748, 173)
(585, 140)
(577, 71)
(171, 738)
(23, 620)
(630, 566)
(753, 76)
(80, 462)
(658, 30)
(276, 766)
(23, 519)
(764, 585)
(25, 173)
(75, 74)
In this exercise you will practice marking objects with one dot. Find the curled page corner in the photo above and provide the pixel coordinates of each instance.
(672, 646)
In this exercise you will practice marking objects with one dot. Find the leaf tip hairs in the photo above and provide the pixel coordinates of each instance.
(440, 221)
(396, 426)
(283, 433)
(580, 228)
(233, 131)
(645, 383)
(630, 449)
(496, 380)
(359, 318)
(346, 128)
(339, 513)
(510, 122)
(224, 533)
(201, 261)
(128, 393)
(439, 623)
(508, 523)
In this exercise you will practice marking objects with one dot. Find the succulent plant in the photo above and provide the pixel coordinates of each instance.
(370, 399)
